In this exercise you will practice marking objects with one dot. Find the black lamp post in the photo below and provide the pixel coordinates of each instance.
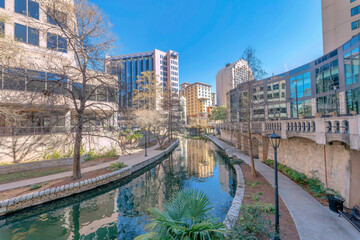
(145, 142)
(275, 143)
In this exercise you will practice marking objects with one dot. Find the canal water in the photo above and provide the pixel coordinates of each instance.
(119, 211)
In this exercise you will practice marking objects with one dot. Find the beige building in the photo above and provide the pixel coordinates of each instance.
(340, 22)
(230, 77)
(37, 71)
(198, 98)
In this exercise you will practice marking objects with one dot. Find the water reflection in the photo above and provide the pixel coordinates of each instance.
(121, 213)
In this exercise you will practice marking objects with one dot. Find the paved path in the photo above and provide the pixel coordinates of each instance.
(313, 221)
(129, 160)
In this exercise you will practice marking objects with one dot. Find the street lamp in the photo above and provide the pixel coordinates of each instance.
(275, 143)
(145, 142)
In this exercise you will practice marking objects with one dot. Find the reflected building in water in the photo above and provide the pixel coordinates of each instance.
(200, 161)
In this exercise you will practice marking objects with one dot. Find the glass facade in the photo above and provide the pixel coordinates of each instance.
(304, 108)
(300, 85)
(352, 67)
(129, 72)
(353, 100)
(327, 104)
(327, 76)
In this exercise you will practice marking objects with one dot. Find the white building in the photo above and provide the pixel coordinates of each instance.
(229, 77)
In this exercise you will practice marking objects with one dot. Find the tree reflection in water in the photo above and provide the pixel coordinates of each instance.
(122, 212)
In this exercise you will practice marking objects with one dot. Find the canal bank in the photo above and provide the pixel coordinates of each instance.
(312, 220)
(120, 210)
(15, 204)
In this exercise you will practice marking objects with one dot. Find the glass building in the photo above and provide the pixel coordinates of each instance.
(328, 85)
(129, 67)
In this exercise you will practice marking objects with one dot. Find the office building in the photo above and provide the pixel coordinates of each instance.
(328, 85)
(198, 98)
(36, 75)
(230, 77)
(340, 22)
(130, 66)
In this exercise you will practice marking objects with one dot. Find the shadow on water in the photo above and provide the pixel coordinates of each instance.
(119, 210)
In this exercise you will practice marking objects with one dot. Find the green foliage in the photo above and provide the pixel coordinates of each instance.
(52, 155)
(116, 166)
(101, 154)
(233, 161)
(134, 136)
(35, 186)
(252, 184)
(186, 216)
(313, 183)
(252, 224)
(219, 113)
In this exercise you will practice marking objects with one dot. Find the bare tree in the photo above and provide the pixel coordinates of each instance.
(79, 82)
(254, 72)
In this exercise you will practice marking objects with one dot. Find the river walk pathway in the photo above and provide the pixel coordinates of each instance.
(313, 221)
(129, 160)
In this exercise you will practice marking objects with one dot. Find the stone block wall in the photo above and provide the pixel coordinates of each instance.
(305, 156)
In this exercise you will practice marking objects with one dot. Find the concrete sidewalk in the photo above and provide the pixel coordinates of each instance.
(129, 160)
(313, 221)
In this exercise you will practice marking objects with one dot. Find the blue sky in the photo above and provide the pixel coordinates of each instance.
(208, 34)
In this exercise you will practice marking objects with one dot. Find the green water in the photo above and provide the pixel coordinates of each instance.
(119, 211)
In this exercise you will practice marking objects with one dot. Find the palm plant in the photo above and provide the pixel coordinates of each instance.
(186, 217)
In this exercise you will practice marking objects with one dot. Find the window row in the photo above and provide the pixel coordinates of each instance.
(327, 77)
(35, 81)
(30, 35)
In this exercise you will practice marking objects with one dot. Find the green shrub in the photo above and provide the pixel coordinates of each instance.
(252, 224)
(35, 186)
(116, 166)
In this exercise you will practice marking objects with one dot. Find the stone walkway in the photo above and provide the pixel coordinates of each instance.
(313, 221)
(129, 160)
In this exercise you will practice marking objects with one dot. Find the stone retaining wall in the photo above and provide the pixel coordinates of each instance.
(27, 166)
(234, 210)
(17, 203)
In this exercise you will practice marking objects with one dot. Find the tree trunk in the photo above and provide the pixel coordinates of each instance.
(77, 148)
(253, 172)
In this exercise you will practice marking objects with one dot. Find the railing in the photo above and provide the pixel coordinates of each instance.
(345, 129)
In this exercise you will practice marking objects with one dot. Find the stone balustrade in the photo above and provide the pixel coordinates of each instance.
(344, 129)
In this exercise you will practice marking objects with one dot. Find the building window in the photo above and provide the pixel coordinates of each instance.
(326, 104)
(303, 85)
(56, 18)
(2, 3)
(36, 81)
(327, 77)
(14, 79)
(2, 29)
(355, 10)
(26, 34)
(353, 100)
(304, 108)
(352, 67)
(56, 43)
(27, 7)
(355, 25)
(56, 83)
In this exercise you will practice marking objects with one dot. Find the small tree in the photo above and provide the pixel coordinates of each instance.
(219, 114)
